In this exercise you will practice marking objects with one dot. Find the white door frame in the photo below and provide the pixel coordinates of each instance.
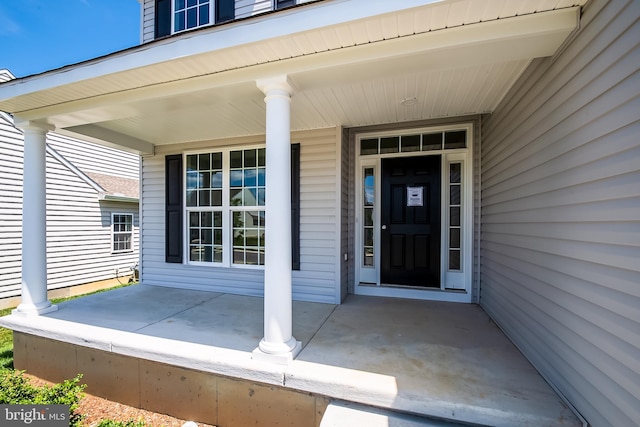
(456, 285)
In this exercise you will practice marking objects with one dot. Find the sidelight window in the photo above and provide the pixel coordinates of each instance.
(455, 210)
(368, 206)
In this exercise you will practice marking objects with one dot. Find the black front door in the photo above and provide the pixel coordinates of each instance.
(410, 235)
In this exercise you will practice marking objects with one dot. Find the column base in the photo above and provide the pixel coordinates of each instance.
(283, 356)
(34, 309)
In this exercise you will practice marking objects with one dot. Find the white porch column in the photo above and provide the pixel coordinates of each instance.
(34, 223)
(278, 344)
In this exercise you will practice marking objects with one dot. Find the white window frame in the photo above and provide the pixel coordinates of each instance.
(212, 17)
(115, 233)
(226, 208)
(456, 286)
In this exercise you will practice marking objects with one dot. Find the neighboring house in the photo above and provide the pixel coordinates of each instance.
(466, 151)
(92, 211)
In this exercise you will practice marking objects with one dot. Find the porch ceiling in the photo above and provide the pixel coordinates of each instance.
(447, 58)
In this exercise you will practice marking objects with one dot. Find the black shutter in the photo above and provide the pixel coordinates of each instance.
(295, 206)
(173, 205)
(163, 18)
(225, 10)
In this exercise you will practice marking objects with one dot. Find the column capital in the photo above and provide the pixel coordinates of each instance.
(279, 83)
(31, 125)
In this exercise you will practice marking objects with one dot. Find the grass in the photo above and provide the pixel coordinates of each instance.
(6, 344)
(6, 335)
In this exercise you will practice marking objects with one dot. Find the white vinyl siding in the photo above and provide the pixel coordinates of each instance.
(247, 8)
(11, 161)
(79, 239)
(95, 158)
(318, 278)
(148, 20)
(561, 215)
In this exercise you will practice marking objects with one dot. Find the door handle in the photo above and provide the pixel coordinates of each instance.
(384, 227)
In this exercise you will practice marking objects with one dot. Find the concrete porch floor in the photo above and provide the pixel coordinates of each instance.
(442, 360)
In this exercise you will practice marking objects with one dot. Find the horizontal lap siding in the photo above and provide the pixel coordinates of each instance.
(11, 161)
(96, 158)
(148, 20)
(561, 215)
(247, 8)
(318, 277)
(79, 231)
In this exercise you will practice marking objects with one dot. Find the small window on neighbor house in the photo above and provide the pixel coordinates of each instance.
(122, 232)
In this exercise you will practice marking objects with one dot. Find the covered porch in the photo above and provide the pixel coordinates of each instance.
(189, 353)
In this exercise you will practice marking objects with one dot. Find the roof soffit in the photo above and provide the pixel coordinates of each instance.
(400, 45)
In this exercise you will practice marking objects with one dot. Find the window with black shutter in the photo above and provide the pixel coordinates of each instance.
(204, 208)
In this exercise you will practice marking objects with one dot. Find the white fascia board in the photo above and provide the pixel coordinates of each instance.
(116, 198)
(254, 29)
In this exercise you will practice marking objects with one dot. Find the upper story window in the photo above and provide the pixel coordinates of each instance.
(190, 14)
(174, 16)
(187, 14)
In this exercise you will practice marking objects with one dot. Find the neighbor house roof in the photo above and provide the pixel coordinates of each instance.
(116, 188)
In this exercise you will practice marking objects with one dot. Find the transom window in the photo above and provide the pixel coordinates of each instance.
(122, 232)
(449, 140)
(225, 203)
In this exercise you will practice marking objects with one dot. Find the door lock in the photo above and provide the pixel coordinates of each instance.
(384, 227)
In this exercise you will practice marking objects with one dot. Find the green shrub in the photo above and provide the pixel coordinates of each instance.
(16, 389)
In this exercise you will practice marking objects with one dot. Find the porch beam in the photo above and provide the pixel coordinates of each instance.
(34, 299)
(113, 139)
(278, 345)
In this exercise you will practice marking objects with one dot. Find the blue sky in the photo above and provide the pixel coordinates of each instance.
(41, 35)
